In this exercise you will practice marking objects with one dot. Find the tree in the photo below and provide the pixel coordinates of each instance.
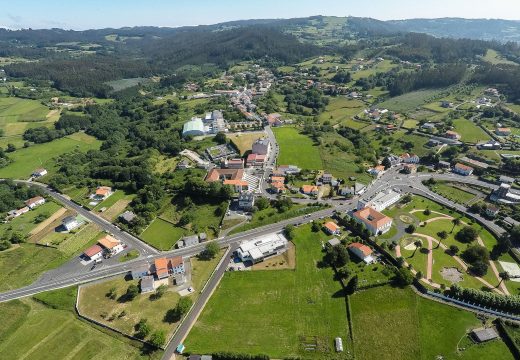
(467, 234)
(143, 329)
(211, 250)
(11, 148)
(476, 253)
(112, 293)
(161, 290)
(403, 277)
(289, 232)
(504, 276)
(220, 138)
(400, 261)
(418, 245)
(336, 256)
(315, 226)
(443, 235)
(158, 338)
(343, 272)
(406, 199)
(419, 275)
(17, 238)
(352, 285)
(427, 212)
(186, 219)
(262, 203)
(410, 229)
(455, 222)
(454, 249)
(131, 292)
(479, 268)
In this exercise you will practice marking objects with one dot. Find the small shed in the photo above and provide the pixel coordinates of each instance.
(334, 242)
(147, 284)
(484, 334)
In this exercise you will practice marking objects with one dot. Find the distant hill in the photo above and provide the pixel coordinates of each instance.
(482, 29)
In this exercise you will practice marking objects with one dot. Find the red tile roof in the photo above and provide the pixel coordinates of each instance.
(93, 250)
(364, 249)
(109, 242)
(372, 217)
(332, 226)
(176, 261)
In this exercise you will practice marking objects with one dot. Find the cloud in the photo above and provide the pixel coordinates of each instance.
(15, 18)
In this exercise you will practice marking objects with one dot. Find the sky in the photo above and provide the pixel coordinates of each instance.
(93, 14)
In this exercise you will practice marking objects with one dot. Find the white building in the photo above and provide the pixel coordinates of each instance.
(194, 127)
(71, 223)
(35, 202)
(111, 244)
(246, 200)
(362, 251)
(381, 200)
(373, 220)
(39, 172)
(257, 250)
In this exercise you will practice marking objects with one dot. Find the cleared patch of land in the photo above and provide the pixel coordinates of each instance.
(244, 141)
(297, 149)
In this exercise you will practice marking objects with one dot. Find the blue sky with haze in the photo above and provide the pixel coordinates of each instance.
(85, 14)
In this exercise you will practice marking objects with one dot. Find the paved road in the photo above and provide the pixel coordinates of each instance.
(197, 308)
(132, 242)
(64, 279)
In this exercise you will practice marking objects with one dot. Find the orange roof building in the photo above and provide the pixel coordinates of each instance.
(161, 268)
(94, 252)
(332, 228)
(310, 189)
(374, 221)
(362, 251)
(109, 242)
(103, 192)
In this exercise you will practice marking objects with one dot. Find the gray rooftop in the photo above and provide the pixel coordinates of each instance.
(334, 242)
(482, 334)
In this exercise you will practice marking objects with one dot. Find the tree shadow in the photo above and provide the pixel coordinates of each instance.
(171, 316)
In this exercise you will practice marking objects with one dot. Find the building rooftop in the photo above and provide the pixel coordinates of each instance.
(194, 124)
(483, 334)
(367, 251)
(372, 217)
(109, 242)
(93, 250)
(331, 226)
(334, 242)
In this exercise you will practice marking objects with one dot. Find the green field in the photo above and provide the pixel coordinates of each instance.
(49, 329)
(161, 234)
(408, 101)
(297, 149)
(453, 193)
(26, 160)
(16, 115)
(340, 110)
(493, 57)
(470, 132)
(26, 222)
(273, 312)
(392, 323)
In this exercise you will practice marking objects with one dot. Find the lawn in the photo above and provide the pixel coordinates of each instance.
(26, 222)
(244, 141)
(453, 193)
(278, 311)
(42, 155)
(470, 132)
(48, 329)
(493, 57)
(297, 149)
(392, 323)
(161, 234)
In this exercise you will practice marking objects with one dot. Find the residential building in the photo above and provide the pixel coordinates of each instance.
(39, 172)
(452, 135)
(194, 127)
(332, 228)
(409, 169)
(462, 169)
(381, 200)
(278, 187)
(93, 253)
(289, 169)
(183, 165)
(393, 160)
(374, 221)
(310, 190)
(506, 179)
(102, 193)
(35, 202)
(188, 241)
(111, 245)
(246, 200)
(231, 177)
(71, 223)
(503, 131)
(377, 171)
(357, 189)
(274, 119)
(428, 126)
(147, 284)
(505, 195)
(490, 145)
(326, 178)
(410, 158)
(15, 213)
(176, 265)
(161, 268)
(234, 164)
(261, 147)
(446, 104)
(257, 250)
(140, 271)
(492, 210)
(254, 160)
(362, 251)
(127, 217)
(443, 165)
